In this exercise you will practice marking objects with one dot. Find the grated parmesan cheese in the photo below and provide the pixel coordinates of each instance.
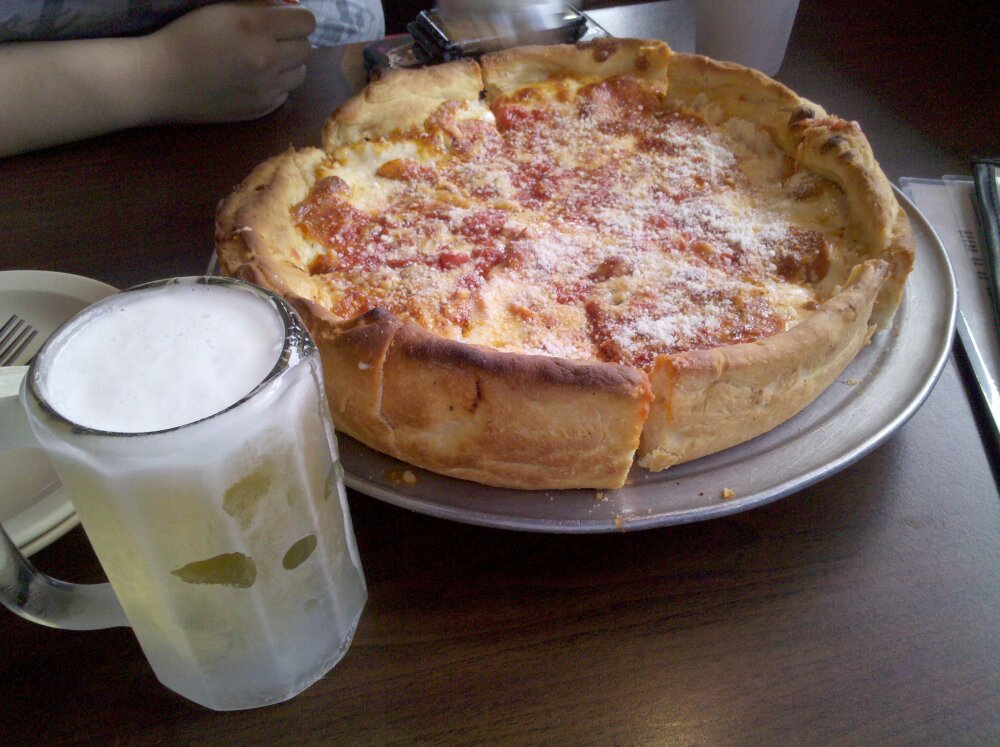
(580, 232)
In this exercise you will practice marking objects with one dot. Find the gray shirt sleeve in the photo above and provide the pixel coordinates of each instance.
(39, 20)
(344, 21)
(337, 21)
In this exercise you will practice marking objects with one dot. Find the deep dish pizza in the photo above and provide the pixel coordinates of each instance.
(532, 270)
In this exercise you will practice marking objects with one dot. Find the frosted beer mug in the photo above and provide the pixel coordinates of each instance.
(187, 421)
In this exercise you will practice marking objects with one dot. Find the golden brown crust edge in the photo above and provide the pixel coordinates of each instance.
(254, 219)
(400, 99)
(825, 145)
(501, 419)
(507, 70)
(512, 420)
(709, 400)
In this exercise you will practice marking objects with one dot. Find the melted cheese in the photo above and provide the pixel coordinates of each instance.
(579, 220)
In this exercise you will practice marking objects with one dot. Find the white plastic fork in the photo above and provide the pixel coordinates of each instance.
(15, 336)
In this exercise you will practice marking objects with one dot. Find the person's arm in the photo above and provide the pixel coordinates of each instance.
(224, 62)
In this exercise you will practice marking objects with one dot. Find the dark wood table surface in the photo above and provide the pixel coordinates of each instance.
(862, 610)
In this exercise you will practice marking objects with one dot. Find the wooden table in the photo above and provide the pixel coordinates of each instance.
(862, 610)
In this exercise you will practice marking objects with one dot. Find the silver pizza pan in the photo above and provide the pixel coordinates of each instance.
(871, 400)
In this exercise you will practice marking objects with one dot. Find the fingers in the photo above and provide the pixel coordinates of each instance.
(272, 95)
(283, 85)
(289, 21)
(258, 110)
(229, 61)
(291, 79)
(292, 53)
(282, 98)
(275, 19)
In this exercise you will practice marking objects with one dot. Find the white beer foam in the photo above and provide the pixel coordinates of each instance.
(157, 359)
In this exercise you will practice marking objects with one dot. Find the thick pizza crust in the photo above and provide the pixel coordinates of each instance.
(709, 400)
(399, 100)
(253, 230)
(511, 69)
(536, 422)
(828, 146)
(507, 419)
(474, 413)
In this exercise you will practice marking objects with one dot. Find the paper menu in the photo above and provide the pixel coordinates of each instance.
(948, 205)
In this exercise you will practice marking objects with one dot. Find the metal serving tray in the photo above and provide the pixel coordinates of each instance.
(870, 401)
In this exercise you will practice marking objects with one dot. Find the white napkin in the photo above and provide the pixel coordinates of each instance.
(949, 206)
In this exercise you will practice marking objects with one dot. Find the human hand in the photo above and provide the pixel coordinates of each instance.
(227, 62)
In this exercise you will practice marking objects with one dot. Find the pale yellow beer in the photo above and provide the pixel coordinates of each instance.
(204, 468)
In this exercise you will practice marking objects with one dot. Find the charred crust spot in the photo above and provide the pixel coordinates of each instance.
(376, 316)
(834, 141)
(602, 48)
(375, 323)
(848, 156)
(642, 63)
(418, 344)
(478, 397)
(800, 114)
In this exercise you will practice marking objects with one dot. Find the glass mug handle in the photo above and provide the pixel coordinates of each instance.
(26, 590)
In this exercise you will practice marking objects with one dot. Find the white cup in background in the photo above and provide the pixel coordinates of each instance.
(753, 33)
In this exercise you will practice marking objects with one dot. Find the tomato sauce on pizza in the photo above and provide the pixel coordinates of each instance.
(586, 221)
